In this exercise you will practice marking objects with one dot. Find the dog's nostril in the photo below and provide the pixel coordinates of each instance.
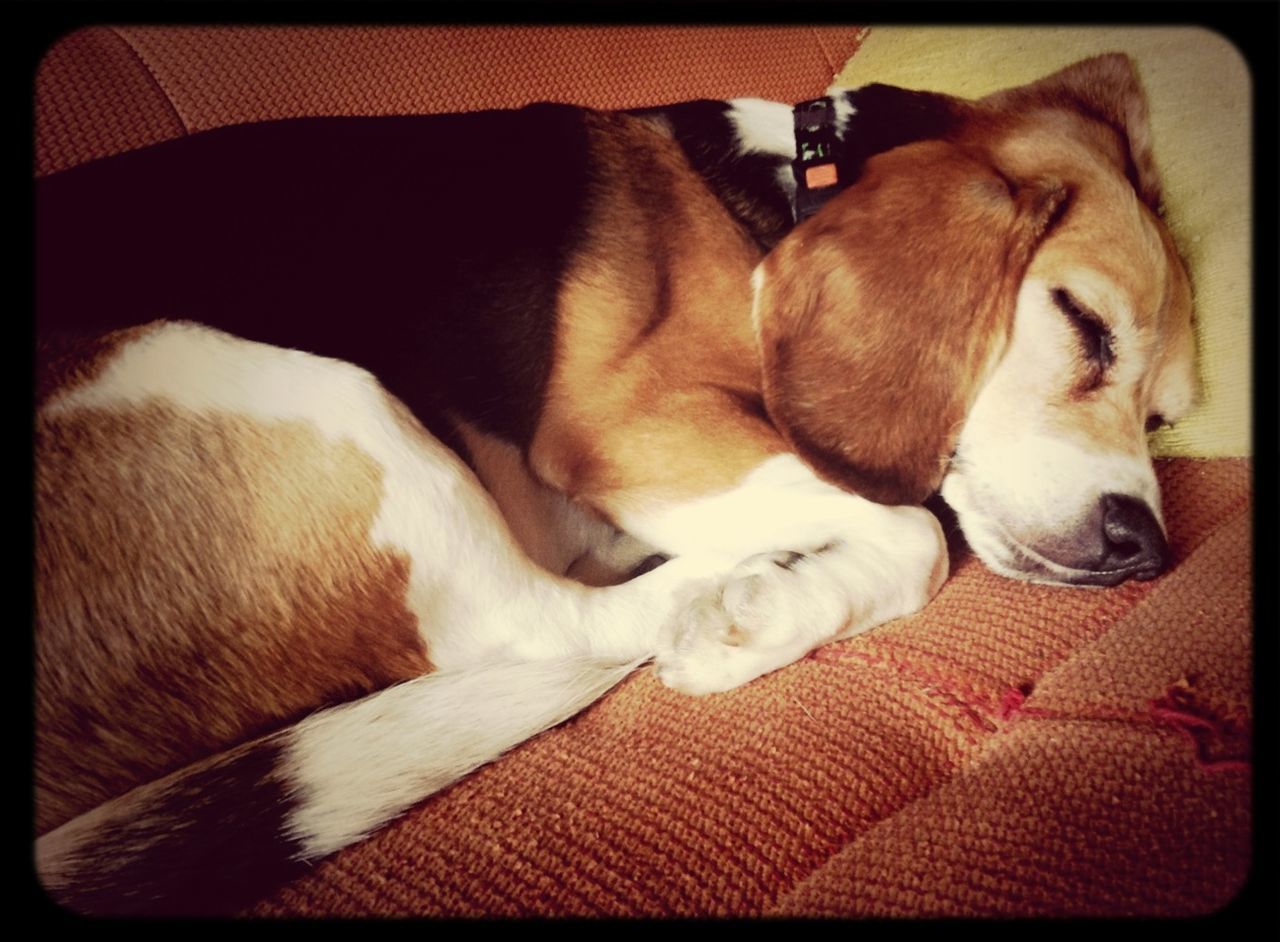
(1135, 542)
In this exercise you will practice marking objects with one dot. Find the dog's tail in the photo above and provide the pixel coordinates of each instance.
(219, 835)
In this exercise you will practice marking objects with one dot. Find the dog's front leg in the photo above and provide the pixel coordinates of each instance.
(818, 564)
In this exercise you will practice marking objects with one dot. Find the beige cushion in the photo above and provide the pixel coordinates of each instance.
(1200, 97)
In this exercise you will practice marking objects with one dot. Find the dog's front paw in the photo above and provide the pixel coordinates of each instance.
(769, 612)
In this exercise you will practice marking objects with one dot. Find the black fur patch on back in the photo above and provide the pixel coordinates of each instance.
(889, 117)
(211, 842)
(426, 249)
(747, 184)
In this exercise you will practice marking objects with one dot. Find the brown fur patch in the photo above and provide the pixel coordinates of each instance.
(656, 362)
(1175, 363)
(878, 316)
(1104, 97)
(201, 579)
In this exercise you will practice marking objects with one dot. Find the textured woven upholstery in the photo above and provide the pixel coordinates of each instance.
(103, 90)
(1011, 750)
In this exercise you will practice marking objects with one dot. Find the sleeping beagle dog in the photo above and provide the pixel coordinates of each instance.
(368, 448)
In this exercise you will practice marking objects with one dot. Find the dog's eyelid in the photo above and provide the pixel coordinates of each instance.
(1094, 332)
(1070, 305)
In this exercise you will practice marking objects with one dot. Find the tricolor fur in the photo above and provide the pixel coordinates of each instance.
(359, 439)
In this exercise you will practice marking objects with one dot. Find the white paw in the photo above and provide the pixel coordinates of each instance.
(771, 610)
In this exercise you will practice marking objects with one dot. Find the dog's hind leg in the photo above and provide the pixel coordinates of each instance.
(235, 458)
(476, 596)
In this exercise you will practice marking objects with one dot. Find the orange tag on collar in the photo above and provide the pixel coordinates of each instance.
(823, 175)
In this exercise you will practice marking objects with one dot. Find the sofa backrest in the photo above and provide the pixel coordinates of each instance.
(102, 90)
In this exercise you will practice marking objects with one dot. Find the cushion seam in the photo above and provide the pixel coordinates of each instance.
(168, 100)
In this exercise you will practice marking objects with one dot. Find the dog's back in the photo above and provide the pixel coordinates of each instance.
(355, 238)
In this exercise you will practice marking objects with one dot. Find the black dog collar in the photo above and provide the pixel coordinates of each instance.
(815, 167)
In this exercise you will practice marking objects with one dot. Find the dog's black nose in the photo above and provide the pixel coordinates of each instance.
(1134, 546)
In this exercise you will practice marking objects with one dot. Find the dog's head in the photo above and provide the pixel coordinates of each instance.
(998, 313)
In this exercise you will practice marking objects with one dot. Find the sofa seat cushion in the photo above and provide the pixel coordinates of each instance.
(1011, 750)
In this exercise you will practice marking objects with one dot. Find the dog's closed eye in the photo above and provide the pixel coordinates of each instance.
(1095, 337)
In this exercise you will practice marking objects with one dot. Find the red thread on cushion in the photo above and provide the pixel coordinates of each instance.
(1222, 743)
(1011, 702)
(835, 653)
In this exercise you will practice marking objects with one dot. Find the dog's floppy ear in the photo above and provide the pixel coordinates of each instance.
(878, 317)
(1105, 88)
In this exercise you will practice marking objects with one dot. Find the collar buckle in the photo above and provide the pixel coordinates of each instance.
(815, 168)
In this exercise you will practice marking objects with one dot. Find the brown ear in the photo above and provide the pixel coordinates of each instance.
(1105, 88)
(878, 316)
